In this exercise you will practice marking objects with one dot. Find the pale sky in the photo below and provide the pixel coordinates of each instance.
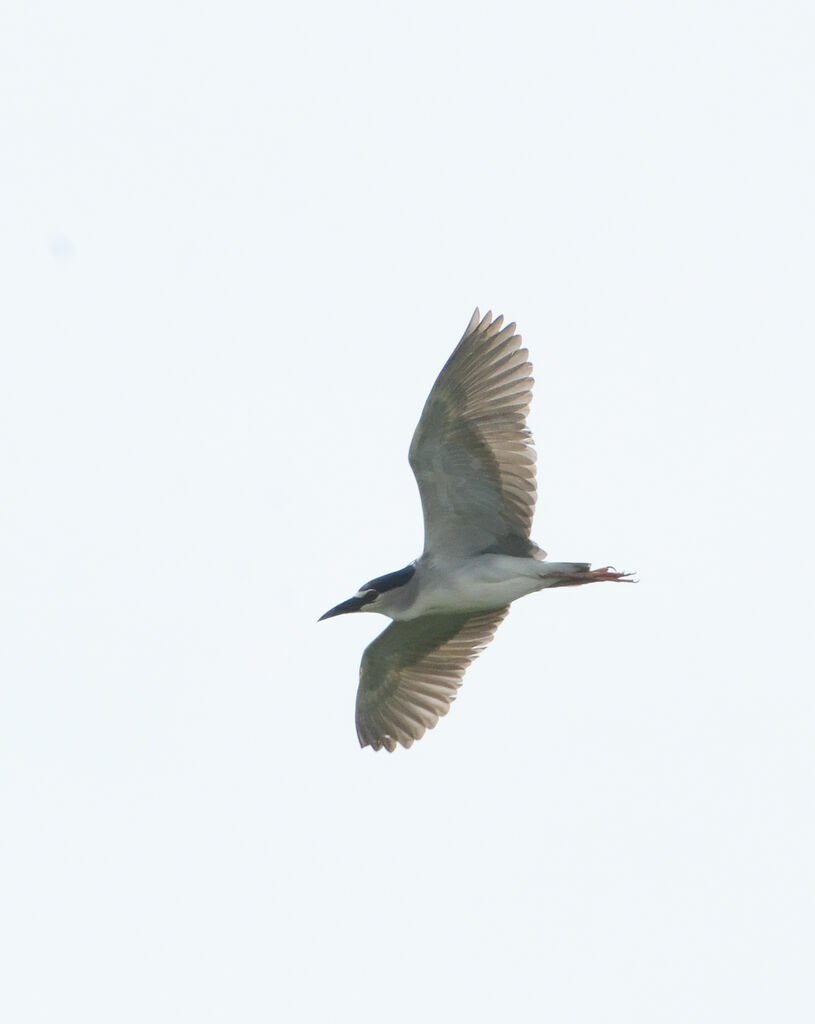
(237, 244)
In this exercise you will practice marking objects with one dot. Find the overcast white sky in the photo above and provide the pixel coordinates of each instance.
(237, 243)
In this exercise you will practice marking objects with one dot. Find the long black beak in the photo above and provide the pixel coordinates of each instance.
(353, 604)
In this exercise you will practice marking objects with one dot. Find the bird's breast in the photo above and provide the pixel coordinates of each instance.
(473, 584)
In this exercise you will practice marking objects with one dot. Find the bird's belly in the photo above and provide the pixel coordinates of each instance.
(478, 584)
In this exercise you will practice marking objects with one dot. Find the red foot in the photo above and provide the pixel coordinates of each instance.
(609, 573)
(577, 579)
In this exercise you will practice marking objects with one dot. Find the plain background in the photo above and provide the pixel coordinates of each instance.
(237, 244)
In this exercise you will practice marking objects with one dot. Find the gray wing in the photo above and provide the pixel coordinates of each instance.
(472, 454)
(410, 674)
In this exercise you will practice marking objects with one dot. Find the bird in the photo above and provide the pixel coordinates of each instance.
(474, 462)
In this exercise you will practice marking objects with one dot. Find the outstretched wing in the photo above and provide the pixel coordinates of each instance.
(409, 675)
(472, 454)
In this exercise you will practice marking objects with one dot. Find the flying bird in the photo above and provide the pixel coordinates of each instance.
(474, 461)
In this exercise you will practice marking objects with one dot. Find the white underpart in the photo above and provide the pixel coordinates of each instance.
(475, 584)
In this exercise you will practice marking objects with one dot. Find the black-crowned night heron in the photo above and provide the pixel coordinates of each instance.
(473, 459)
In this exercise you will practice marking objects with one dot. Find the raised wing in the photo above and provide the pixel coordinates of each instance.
(411, 672)
(472, 454)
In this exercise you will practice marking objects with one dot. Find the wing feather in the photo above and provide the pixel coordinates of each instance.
(411, 672)
(472, 453)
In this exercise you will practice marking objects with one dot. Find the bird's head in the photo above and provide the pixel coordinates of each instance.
(373, 595)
